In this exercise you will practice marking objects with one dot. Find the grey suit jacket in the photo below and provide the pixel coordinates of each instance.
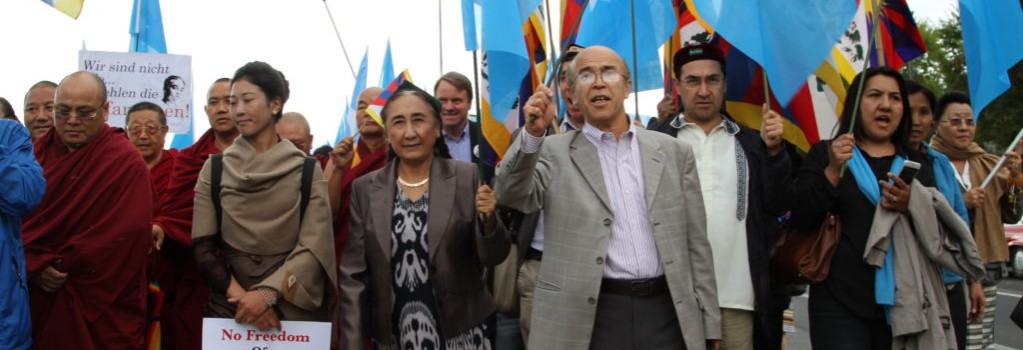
(458, 253)
(577, 229)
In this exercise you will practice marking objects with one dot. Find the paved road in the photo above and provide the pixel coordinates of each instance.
(1007, 335)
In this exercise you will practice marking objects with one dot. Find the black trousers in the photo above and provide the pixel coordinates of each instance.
(636, 323)
(958, 310)
(833, 327)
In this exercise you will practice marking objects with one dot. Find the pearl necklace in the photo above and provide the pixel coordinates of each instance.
(412, 185)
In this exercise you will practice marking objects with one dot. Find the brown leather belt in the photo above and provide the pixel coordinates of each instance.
(635, 288)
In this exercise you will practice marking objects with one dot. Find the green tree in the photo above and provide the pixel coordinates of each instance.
(943, 68)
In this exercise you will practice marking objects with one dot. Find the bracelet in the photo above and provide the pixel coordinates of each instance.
(268, 296)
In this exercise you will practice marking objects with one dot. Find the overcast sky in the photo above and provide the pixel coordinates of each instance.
(294, 36)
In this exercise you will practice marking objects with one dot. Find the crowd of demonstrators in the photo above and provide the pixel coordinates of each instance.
(626, 238)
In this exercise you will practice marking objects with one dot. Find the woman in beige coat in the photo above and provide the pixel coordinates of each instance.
(277, 262)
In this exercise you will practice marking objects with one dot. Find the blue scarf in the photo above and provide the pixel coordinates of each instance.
(884, 277)
(945, 178)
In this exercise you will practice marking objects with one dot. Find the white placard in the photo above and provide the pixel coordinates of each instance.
(133, 77)
(225, 333)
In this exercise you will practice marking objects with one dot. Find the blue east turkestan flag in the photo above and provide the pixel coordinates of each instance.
(349, 126)
(387, 68)
(788, 38)
(505, 46)
(608, 23)
(146, 31)
(993, 44)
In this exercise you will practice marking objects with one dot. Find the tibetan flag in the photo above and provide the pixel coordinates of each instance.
(690, 30)
(900, 40)
(993, 44)
(789, 38)
(570, 10)
(535, 33)
(609, 23)
(387, 68)
(496, 128)
(349, 124)
(378, 104)
(72, 8)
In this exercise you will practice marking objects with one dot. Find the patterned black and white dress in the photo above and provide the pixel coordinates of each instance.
(414, 317)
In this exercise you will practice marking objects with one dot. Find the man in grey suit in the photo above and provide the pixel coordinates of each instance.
(627, 264)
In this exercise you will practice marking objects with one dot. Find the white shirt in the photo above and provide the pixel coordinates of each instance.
(716, 164)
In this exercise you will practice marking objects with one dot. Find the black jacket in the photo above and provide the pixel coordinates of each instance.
(770, 186)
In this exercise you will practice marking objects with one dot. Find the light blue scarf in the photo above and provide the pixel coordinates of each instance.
(945, 179)
(884, 278)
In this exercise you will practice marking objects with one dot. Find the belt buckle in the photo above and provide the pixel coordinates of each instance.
(640, 288)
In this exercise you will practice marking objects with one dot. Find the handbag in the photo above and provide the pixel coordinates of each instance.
(506, 296)
(801, 257)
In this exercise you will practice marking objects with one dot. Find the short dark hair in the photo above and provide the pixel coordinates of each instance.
(901, 136)
(456, 79)
(271, 81)
(323, 151)
(6, 110)
(440, 147)
(40, 84)
(146, 106)
(950, 98)
(913, 87)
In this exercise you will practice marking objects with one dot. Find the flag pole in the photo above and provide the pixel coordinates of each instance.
(863, 81)
(879, 45)
(138, 25)
(635, 64)
(338, 33)
(575, 29)
(484, 177)
(554, 54)
(440, 36)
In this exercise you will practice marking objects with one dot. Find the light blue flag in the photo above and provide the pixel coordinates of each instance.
(505, 46)
(146, 31)
(468, 25)
(387, 69)
(788, 38)
(147, 27)
(348, 124)
(993, 44)
(608, 23)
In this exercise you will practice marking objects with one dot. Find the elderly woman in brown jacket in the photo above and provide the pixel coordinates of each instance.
(412, 270)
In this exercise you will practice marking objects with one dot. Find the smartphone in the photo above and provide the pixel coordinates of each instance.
(909, 170)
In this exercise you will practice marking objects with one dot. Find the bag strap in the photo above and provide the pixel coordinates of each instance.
(217, 167)
(307, 182)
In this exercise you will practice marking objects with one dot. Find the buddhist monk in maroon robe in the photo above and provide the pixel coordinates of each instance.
(146, 125)
(86, 242)
(185, 289)
(370, 154)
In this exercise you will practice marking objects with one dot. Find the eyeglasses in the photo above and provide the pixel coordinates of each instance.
(608, 76)
(137, 130)
(958, 122)
(82, 116)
